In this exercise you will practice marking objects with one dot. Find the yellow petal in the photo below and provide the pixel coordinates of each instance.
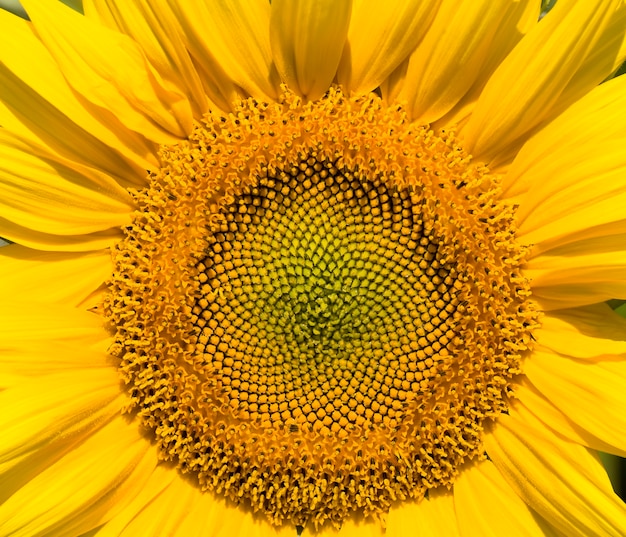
(109, 69)
(40, 106)
(58, 243)
(552, 67)
(595, 289)
(88, 485)
(391, 87)
(17, 149)
(380, 36)
(578, 239)
(582, 272)
(235, 37)
(166, 512)
(590, 393)
(586, 332)
(39, 338)
(434, 516)
(23, 323)
(19, 365)
(49, 196)
(445, 64)
(307, 40)
(39, 409)
(586, 126)
(571, 174)
(26, 274)
(155, 28)
(124, 523)
(528, 398)
(221, 91)
(481, 485)
(519, 18)
(564, 482)
(172, 505)
(579, 273)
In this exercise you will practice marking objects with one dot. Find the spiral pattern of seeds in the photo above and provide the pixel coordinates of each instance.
(318, 306)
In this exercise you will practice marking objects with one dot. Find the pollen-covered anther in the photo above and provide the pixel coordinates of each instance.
(318, 306)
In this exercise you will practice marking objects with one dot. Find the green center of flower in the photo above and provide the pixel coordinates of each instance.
(318, 306)
(315, 286)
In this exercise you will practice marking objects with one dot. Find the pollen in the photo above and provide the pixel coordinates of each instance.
(319, 306)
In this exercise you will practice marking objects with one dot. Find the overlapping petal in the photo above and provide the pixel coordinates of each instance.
(83, 488)
(170, 505)
(155, 28)
(432, 517)
(111, 71)
(25, 274)
(580, 387)
(481, 484)
(40, 106)
(577, 499)
(449, 58)
(569, 177)
(585, 332)
(395, 27)
(574, 48)
(531, 399)
(56, 196)
(231, 42)
(307, 40)
(518, 19)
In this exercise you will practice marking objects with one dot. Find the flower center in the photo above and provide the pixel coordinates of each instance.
(318, 306)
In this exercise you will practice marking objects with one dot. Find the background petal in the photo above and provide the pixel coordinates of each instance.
(84, 488)
(590, 393)
(569, 179)
(531, 399)
(585, 332)
(46, 195)
(579, 273)
(434, 516)
(519, 18)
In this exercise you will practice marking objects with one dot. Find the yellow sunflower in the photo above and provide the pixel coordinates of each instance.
(318, 267)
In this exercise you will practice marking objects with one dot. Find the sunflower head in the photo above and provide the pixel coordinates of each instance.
(318, 305)
(348, 259)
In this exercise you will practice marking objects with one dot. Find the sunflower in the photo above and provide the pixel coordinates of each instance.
(326, 268)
